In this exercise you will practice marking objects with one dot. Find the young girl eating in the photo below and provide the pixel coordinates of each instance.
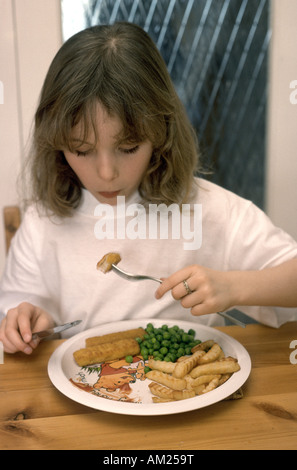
(112, 170)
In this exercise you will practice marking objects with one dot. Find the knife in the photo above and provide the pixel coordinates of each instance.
(57, 329)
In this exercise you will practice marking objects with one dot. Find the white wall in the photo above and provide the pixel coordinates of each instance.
(30, 35)
(281, 176)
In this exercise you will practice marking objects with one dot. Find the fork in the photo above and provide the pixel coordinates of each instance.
(140, 277)
(133, 277)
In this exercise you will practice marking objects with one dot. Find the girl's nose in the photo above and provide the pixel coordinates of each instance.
(106, 167)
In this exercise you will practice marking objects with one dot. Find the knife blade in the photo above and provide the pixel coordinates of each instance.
(52, 331)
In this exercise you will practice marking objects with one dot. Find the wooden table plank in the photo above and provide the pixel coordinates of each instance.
(248, 424)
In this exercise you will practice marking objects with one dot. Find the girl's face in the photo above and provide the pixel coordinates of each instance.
(111, 168)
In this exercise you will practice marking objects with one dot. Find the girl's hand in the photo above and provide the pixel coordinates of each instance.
(17, 327)
(210, 290)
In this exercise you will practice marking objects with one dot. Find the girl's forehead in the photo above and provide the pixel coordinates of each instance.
(100, 124)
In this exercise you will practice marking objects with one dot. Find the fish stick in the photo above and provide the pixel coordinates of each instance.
(105, 263)
(112, 337)
(106, 352)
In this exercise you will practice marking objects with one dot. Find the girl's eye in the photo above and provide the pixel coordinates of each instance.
(81, 154)
(129, 150)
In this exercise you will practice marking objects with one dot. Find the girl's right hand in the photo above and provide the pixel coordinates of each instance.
(17, 327)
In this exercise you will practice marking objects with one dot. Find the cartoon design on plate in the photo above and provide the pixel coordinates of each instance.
(113, 380)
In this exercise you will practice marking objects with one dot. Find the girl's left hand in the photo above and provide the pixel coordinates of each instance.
(210, 290)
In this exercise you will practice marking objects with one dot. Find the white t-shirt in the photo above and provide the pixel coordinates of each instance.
(52, 262)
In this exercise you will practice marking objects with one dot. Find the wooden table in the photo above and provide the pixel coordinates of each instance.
(34, 415)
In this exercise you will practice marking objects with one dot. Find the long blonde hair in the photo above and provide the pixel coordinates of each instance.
(119, 66)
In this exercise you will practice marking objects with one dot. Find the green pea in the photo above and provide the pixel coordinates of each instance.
(180, 352)
(129, 359)
(166, 335)
(167, 358)
(164, 351)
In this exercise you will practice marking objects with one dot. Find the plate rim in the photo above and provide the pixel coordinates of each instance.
(58, 377)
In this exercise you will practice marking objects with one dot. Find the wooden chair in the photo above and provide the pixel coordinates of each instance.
(12, 220)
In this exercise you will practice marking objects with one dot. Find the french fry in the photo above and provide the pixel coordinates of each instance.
(228, 358)
(166, 379)
(212, 354)
(203, 346)
(161, 391)
(183, 394)
(203, 379)
(167, 394)
(162, 366)
(184, 367)
(223, 378)
(161, 400)
(212, 385)
(216, 368)
(181, 359)
(189, 380)
(199, 389)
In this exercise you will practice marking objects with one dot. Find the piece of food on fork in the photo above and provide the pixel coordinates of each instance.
(107, 261)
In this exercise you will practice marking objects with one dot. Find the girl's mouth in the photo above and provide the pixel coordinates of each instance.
(109, 194)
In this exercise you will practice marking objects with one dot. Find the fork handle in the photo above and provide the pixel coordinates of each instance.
(232, 319)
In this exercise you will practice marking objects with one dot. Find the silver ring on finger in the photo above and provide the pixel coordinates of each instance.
(189, 291)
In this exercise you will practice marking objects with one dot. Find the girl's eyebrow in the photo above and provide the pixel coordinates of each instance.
(81, 141)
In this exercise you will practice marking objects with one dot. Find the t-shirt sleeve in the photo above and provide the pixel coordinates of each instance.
(254, 242)
(22, 278)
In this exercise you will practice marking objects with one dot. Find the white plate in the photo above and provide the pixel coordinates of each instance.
(62, 368)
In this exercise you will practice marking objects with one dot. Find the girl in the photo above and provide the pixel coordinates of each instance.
(113, 151)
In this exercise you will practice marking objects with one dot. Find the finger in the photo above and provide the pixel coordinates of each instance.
(172, 281)
(183, 289)
(26, 318)
(13, 335)
(13, 343)
(202, 309)
(7, 345)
